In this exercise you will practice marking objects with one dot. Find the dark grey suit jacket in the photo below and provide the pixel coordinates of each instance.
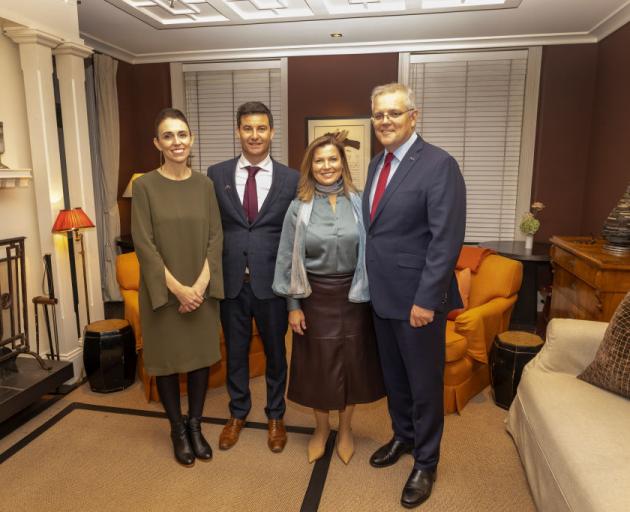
(415, 238)
(254, 245)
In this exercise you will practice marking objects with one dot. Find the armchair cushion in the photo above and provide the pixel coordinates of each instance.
(463, 284)
(128, 271)
(497, 276)
(480, 325)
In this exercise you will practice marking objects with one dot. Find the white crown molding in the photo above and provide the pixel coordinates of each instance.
(615, 21)
(432, 45)
(23, 35)
(101, 46)
(70, 48)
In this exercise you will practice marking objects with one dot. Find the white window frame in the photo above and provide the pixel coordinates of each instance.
(530, 110)
(178, 87)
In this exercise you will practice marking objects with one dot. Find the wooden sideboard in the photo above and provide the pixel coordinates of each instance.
(588, 283)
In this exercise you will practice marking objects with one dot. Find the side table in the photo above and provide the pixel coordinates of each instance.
(109, 355)
(535, 261)
(511, 351)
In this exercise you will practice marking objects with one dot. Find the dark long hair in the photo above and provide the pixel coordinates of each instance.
(169, 113)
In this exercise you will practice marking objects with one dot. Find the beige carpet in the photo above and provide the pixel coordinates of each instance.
(98, 461)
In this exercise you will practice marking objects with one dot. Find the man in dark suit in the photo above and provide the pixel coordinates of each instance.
(414, 208)
(254, 193)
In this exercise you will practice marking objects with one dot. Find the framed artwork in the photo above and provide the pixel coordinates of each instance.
(358, 141)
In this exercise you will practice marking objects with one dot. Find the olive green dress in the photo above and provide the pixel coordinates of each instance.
(177, 224)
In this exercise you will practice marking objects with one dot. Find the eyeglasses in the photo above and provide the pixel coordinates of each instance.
(379, 117)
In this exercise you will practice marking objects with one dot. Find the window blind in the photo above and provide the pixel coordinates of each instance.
(472, 106)
(212, 97)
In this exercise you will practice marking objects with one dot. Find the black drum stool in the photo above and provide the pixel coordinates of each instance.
(511, 351)
(109, 355)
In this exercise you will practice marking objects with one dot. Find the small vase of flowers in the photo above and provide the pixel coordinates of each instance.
(530, 224)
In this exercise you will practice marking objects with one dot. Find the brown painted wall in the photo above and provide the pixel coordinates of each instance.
(143, 90)
(338, 85)
(563, 136)
(609, 163)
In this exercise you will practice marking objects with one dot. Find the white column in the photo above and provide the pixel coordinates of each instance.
(71, 74)
(36, 61)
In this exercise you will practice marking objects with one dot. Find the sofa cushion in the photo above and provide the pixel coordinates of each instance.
(463, 283)
(581, 434)
(611, 367)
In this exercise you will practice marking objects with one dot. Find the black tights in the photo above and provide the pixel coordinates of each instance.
(168, 388)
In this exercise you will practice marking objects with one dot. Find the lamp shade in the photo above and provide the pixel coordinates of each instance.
(129, 190)
(69, 220)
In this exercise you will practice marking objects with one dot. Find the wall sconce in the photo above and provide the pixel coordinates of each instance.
(74, 221)
(129, 189)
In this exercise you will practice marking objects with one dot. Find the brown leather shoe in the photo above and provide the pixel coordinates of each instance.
(277, 437)
(229, 434)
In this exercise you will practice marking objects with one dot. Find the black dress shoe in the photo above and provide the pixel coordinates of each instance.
(418, 488)
(199, 445)
(389, 454)
(181, 444)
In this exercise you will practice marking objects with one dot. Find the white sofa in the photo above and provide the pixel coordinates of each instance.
(573, 438)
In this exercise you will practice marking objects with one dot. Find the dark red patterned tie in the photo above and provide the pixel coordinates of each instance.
(382, 183)
(250, 197)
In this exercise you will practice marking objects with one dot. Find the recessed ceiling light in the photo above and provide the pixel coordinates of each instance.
(336, 34)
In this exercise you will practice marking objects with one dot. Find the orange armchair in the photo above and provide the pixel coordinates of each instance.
(128, 276)
(493, 292)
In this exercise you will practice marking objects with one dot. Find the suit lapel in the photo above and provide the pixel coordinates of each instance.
(277, 182)
(408, 161)
(368, 187)
(229, 176)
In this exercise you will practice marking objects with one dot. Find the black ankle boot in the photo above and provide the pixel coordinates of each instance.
(181, 444)
(199, 445)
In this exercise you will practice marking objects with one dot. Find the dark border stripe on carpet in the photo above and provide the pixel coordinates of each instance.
(315, 487)
(11, 424)
(36, 433)
(313, 493)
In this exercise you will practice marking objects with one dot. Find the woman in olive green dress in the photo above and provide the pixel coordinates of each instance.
(177, 235)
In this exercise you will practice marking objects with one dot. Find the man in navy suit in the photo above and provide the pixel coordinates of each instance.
(254, 193)
(414, 208)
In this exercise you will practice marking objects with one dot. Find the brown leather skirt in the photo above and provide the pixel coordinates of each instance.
(335, 363)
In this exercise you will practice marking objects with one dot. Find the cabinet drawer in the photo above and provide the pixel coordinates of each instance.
(577, 292)
(579, 268)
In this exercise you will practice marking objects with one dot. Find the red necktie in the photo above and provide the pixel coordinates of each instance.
(250, 197)
(382, 183)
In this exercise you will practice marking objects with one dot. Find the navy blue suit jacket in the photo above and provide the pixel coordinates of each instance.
(416, 236)
(254, 245)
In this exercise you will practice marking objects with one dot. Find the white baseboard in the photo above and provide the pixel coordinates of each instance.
(76, 358)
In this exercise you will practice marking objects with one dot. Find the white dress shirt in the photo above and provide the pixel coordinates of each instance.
(399, 154)
(263, 178)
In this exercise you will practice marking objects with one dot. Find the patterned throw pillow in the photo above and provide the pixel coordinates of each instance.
(611, 367)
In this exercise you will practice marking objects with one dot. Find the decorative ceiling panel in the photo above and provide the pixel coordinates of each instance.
(364, 6)
(275, 10)
(164, 14)
(173, 13)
